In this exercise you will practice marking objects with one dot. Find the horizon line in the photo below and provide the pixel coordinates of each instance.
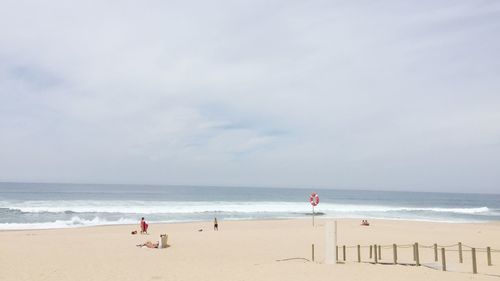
(244, 186)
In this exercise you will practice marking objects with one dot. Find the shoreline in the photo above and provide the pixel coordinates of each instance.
(256, 220)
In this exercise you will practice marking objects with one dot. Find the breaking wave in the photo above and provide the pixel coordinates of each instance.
(168, 207)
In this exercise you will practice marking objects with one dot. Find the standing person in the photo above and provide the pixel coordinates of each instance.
(216, 225)
(144, 226)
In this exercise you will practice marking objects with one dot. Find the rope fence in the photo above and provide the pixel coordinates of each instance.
(439, 254)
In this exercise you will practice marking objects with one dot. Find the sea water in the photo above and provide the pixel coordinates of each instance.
(37, 205)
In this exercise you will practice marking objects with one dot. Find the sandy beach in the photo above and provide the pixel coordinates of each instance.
(243, 250)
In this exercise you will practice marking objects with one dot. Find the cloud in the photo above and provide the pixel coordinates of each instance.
(326, 93)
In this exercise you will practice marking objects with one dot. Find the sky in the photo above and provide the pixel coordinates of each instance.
(384, 95)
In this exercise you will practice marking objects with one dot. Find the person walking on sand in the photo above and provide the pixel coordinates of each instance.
(144, 226)
(216, 225)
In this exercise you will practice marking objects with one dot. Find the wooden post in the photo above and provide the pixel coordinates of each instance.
(414, 254)
(375, 253)
(474, 265)
(395, 253)
(435, 252)
(443, 259)
(371, 250)
(337, 253)
(312, 252)
(343, 252)
(417, 255)
(460, 257)
(379, 252)
(488, 253)
(359, 253)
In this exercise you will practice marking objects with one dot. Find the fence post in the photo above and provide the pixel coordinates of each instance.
(371, 250)
(443, 259)
(343, 252)
(460, 257)
(337, 253)
(417, 255)
(435, 252)
(379, 252)
(474, 265)
(488, 253)
(312, 251)
(359, 253)
(375, 253)
(395, 253)
(414, 254)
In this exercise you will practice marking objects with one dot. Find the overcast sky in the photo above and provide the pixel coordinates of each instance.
(398, 95)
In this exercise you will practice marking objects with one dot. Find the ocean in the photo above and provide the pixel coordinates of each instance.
(42, 205)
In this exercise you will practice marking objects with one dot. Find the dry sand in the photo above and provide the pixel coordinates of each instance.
(241, 250)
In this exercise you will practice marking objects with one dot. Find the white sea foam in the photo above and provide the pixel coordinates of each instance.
(478, 210)
(73, 222)
(108, 212)
(169, 207)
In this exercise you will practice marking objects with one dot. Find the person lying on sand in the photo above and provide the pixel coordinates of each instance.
(149, 244)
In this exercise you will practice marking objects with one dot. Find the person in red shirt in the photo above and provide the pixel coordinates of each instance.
(144, 226)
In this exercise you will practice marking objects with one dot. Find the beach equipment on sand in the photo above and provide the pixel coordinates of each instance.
(163, 241)
(314, 200)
